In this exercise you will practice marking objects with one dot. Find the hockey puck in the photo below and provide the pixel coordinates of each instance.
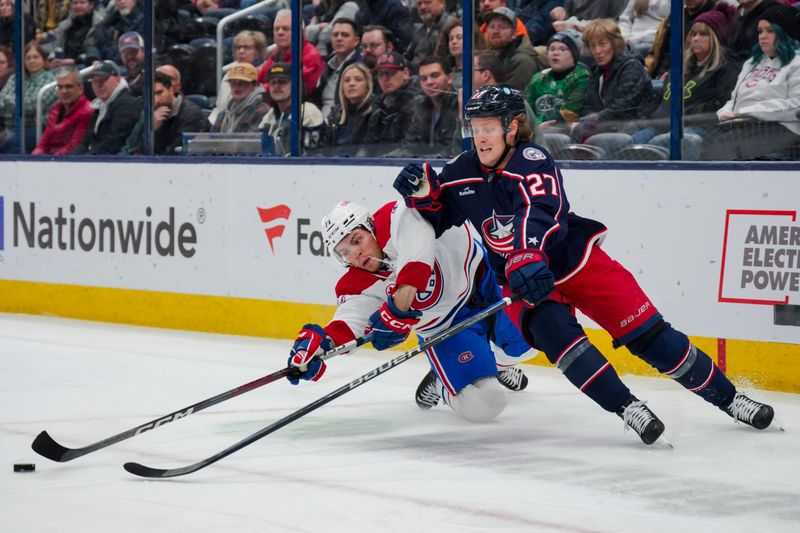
(24, 467)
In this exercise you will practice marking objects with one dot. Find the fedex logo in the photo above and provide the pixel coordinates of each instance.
(272, 216)
(2, 228)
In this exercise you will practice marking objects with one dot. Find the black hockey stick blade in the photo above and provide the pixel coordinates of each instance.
(47, 447)
(149, 472)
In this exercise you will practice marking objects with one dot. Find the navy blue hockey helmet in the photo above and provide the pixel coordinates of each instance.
(494, 101)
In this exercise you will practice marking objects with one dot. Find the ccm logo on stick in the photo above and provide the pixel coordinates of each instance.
(170, 418)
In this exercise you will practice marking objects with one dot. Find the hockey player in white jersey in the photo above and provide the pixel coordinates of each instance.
(401, 278)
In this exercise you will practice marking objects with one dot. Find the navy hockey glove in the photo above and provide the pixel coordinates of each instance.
(419, 186)
(529, 276)
(390, 326)
(310, 339)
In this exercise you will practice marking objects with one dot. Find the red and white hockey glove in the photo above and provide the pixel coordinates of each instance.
(419, 186)
(390, 326)
(310, 339)
(529, 276)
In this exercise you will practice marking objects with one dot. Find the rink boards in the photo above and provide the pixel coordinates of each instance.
(235, 248)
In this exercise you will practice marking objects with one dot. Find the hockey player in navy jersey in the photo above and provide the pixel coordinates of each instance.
(512, 191)
(401, 278)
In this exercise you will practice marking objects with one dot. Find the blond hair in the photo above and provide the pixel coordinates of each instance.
(715, 57)
(604, 29)
(524, 131)
(342, 100)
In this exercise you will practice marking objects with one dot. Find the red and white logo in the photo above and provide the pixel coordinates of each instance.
(271, 217)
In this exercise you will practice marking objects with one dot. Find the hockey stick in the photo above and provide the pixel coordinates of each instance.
(47, 447)
(146, 471)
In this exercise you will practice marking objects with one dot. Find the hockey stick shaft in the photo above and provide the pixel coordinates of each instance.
(47, 447)
(146, 471)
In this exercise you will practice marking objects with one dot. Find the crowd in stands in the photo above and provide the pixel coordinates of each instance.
(383, 78)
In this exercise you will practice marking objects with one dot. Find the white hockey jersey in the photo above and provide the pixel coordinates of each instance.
(443, 271)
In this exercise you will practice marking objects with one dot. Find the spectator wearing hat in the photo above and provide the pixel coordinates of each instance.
(249, 46)
(348, 120)
(346, 43)
(131, 50)
(277, 121)
(125, 16)
(391, 117)
(657, 61)
(245, 108)
(709, 75)
(516, 51)
(434, 130)
(745, 33)
(313, 65)
(764, 104)
(487, 6)
(557, 94)
(69, 119)
(115, 111)
(433, 16)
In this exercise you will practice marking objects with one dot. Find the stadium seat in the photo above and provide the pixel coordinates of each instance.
(181, 56)
(200, 99)
(220, 13)
(582, 152)
(204, 70)
(611, 143)
(643, 152)
(691, 147)
(197, 43)
(555, 142)
(204, 27)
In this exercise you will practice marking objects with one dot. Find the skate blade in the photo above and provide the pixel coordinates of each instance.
(663, 440)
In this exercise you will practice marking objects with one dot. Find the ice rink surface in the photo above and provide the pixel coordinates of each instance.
(370, 460)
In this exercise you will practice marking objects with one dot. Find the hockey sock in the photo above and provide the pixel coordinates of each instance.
(558, 334)
(670, 352)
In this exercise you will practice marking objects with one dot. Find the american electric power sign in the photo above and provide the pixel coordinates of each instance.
(760, 258)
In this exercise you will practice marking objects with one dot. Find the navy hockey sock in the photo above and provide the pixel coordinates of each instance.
(557, 333)
(670, 352)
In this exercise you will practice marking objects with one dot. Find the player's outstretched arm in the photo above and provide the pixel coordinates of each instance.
(309, 341)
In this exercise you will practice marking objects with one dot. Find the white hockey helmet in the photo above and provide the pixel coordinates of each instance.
(339, 223)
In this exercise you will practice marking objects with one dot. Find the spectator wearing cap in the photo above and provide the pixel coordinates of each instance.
(37, 75)
(348, 120)
(277, 121)
(131, 50)
(535, 14)
(487, 69)
(391, 117)
(745, 33)
(313, 65)
(423, 45)
(709, 76)
(246, 108)
(556, 94)
(249, 46)
(434, 126)
(577, 14)
(69, 119)
(487, 6)
(619, 86)
(516, 51)
(657, 61)
(116, 111)
(125, 16)
(72, 34)
(346, 43)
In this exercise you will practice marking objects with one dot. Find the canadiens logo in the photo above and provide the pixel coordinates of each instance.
(432, 293)
(533, 154)
(465, 357)
(498, 233)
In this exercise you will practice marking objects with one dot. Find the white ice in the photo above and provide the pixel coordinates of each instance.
(368, 461)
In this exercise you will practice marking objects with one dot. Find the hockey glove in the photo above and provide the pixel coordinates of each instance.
(419, 186)
(310, 339)
(390, 326)
(529, 276)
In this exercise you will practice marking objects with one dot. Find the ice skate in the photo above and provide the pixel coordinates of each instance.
(513, 378)
(753, 413)
(641, 419)
(428, 391)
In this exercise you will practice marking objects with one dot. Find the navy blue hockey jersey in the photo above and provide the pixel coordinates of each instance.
(524, 206)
